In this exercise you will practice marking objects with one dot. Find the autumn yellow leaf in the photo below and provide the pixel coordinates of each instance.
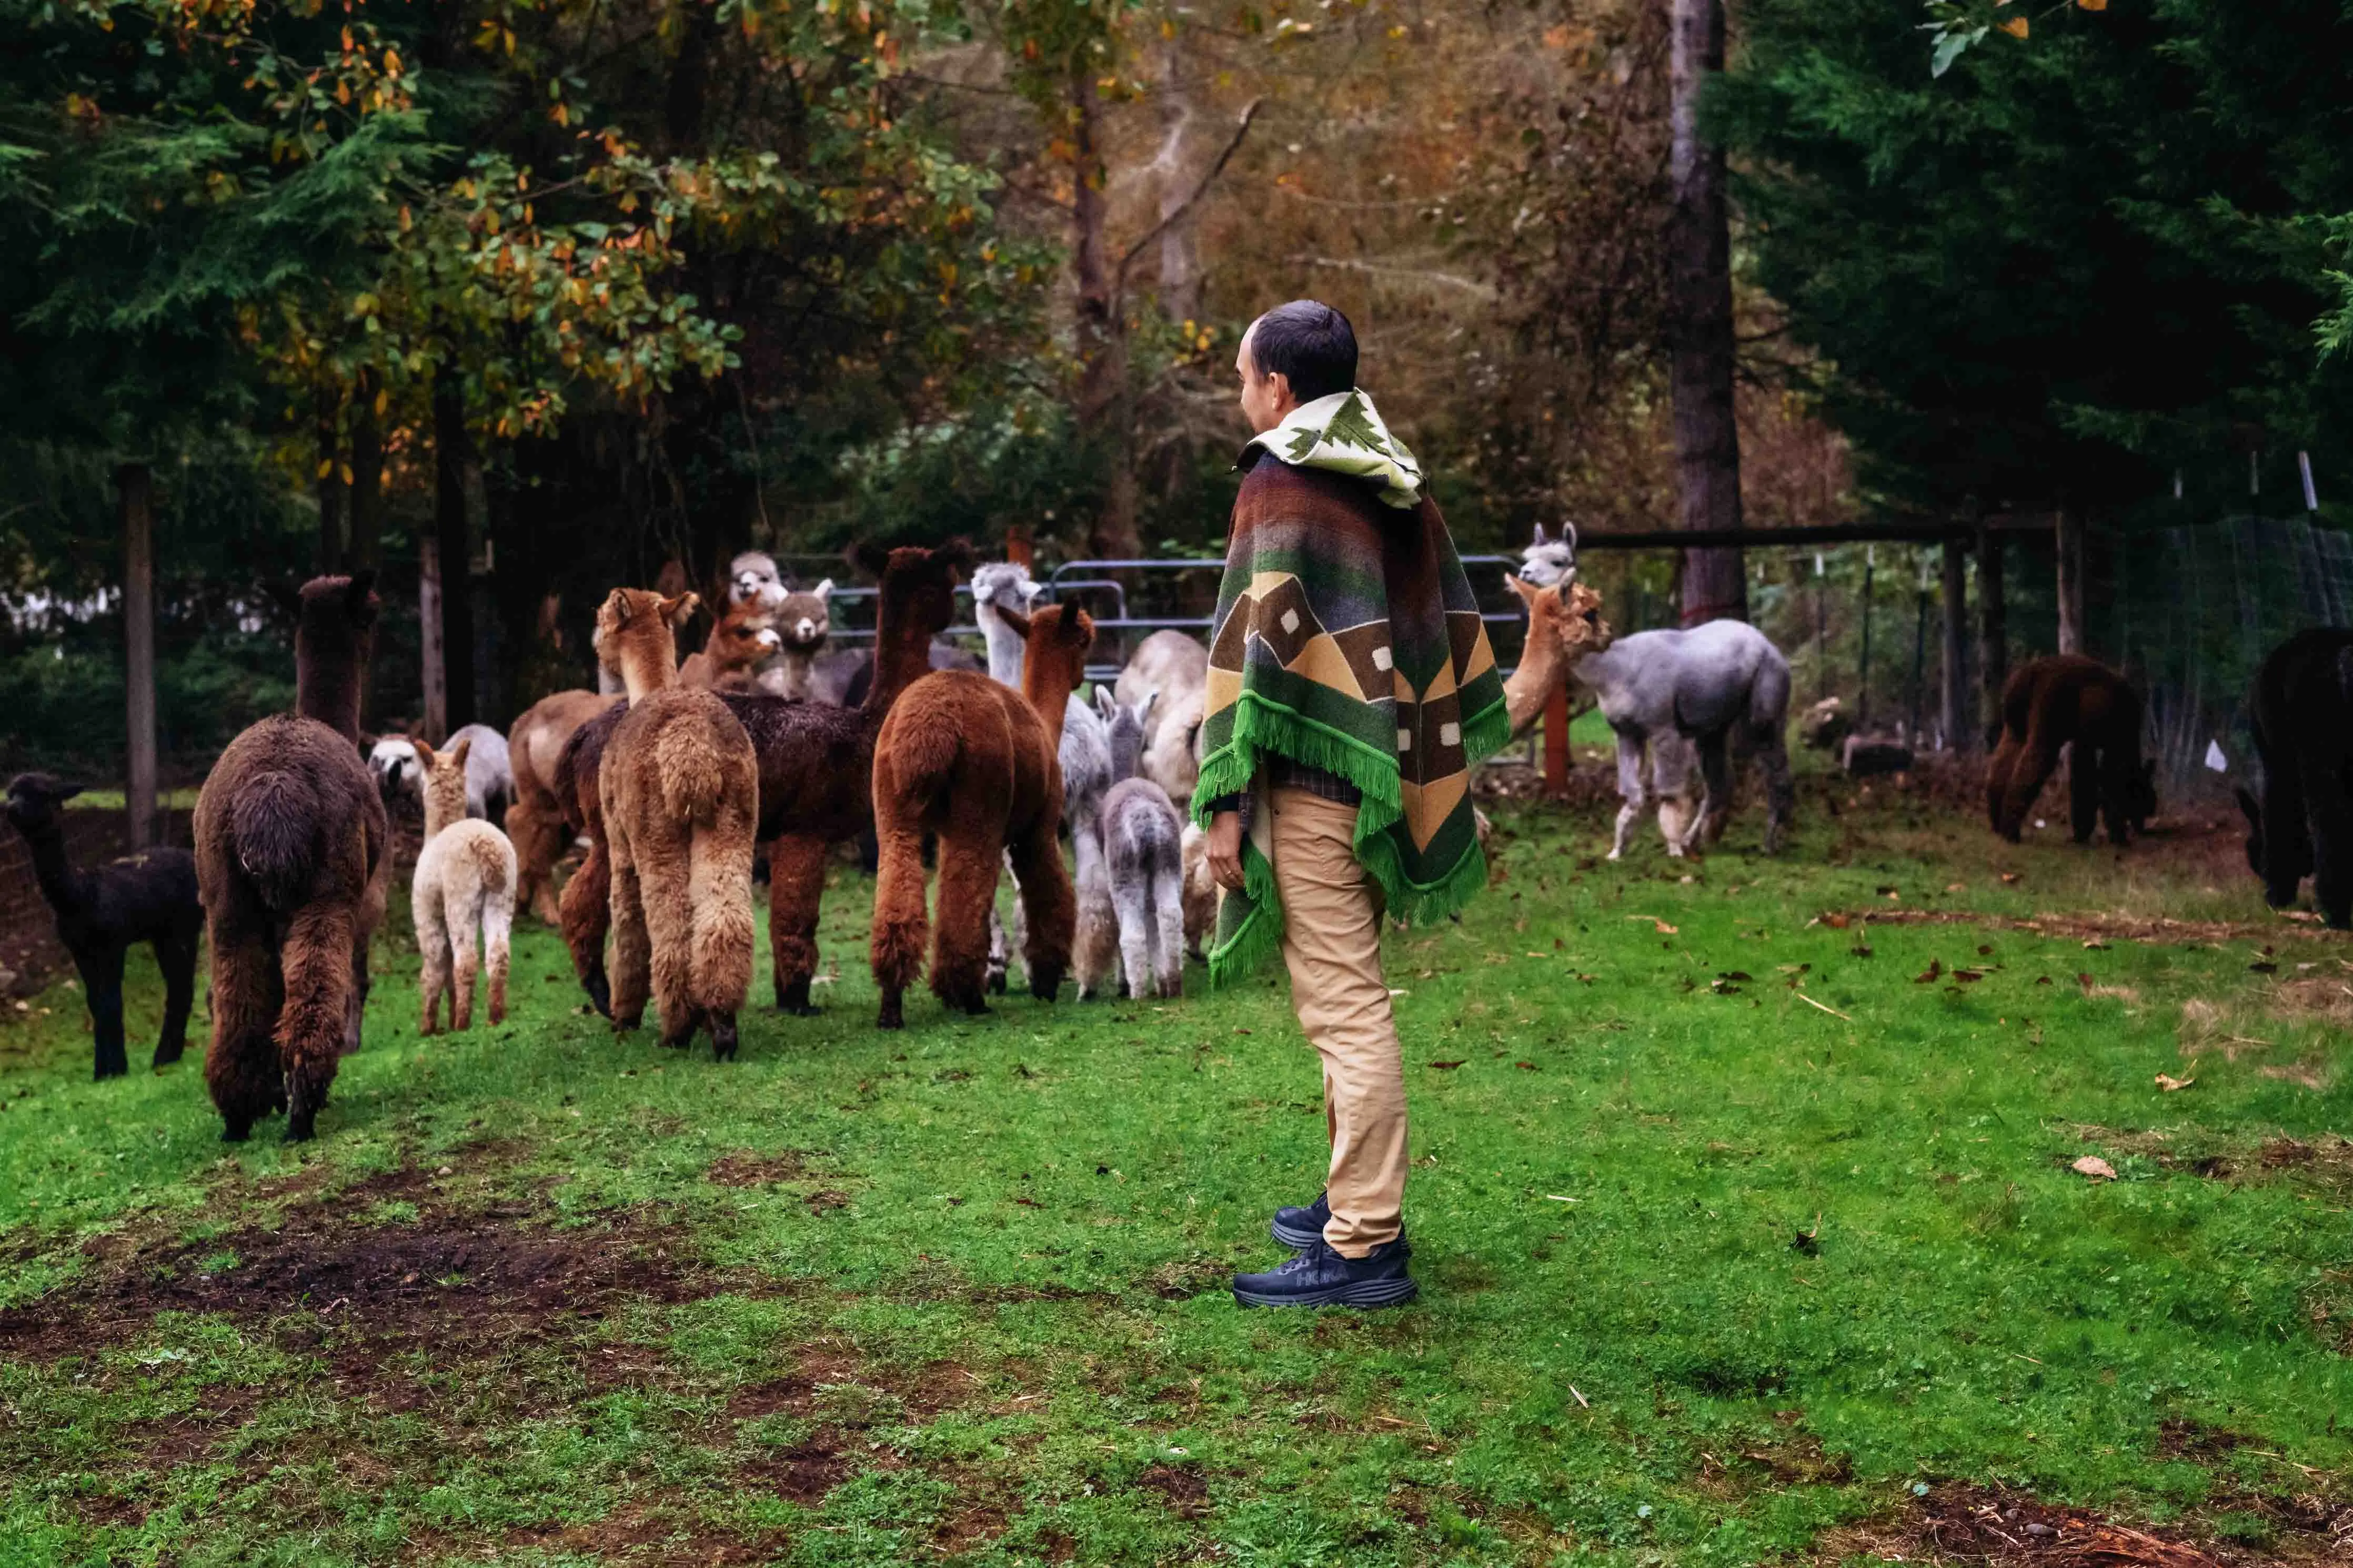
(2015, 26)
(2091, 5)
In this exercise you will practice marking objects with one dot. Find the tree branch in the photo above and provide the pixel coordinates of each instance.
(1183, 209)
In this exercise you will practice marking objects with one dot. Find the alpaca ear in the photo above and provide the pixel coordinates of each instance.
(1107, 704)
(1031, 591)
(870, 558)
(824, 590)
(957, 556)
(1568, 537)
(359, 596)
(464, 748)
(1144, 709)
(1540, 540)
(1527, 595)
(618, 601)
(1078, 629)
(426, 757)
(678, 606)
(1018, 621)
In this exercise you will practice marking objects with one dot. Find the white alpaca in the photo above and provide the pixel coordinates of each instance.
(1143, 858)
(490, 780)
(1176, 667)
(465, 882)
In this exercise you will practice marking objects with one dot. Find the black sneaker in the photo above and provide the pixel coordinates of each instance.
(1320, 1277)
(1297, 1228)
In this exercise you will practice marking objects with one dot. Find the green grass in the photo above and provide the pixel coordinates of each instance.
(958, 1292)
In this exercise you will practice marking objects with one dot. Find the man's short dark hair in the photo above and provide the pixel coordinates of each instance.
(1309, 342)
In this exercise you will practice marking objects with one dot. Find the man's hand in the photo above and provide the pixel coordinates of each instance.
(1225, 851)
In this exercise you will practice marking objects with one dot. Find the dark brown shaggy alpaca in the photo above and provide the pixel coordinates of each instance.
(976, 764)
(817, 767)
(290, 860)
(536, 817)
(2048, 703)
(2301, 711)
(680, 788)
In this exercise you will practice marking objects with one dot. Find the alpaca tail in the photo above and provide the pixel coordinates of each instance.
(691, 760)
(719, 889)
(271, 819)
(924, 754)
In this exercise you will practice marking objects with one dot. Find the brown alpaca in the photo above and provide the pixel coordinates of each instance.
(743, 637)
(817, 768)
(1565, 624)
(290, 860)
(681, 793)
(976, 764)
(535, 816)
(2049, 702)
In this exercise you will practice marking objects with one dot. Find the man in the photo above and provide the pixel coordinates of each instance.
(1351, 690)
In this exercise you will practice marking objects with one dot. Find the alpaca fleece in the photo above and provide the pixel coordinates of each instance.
(290, 860)
(464, 884)
(535, 818)
(150, 897)
(964, 760)
(2302, 714)
(2046, 704)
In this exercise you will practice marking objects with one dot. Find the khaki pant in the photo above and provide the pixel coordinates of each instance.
(1331, 943)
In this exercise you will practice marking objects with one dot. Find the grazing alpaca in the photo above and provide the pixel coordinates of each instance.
(742, 639)
(1175, 668)
(2045, 704)
(535, 819)
(680, 788)
(1200, 892)
(290, 860)
(967, 760)
(149, 897)
(2301, 711)
(804, 620)
(490, 775)
(1143, 857)
(464, 883)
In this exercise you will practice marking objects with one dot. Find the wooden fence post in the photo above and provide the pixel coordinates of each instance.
(1018, 549)
(136, 492)
(1956, 654)
(2071, 581)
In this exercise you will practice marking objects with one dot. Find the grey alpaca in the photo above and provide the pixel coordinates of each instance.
(1724, 687)
(1144, 856)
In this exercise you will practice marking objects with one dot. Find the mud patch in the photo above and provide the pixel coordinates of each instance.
(1969, 1523)
(652, 1534)
(1185, 1490)
(2154, 929)
(746, 1168)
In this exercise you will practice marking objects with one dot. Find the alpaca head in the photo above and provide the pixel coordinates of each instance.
(805, 619)
(752, 578)
(393, 761)
(444, 784)
(32, 800)
(1127, 724)
(1550, 559)
(636, 635)
(1002, 585)
(1566, 618)
(917, 600)
(335, 627)
(1055, 640)
(742, 639)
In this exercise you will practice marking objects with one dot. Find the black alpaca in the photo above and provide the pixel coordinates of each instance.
(2302, 715)
(150, 897)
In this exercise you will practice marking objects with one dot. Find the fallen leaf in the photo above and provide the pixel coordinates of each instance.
(2168, 1083)
(1861, 949)
(1957, 887)
(1985, 949)
(1723, 987)
(1664, 928)
(2092, 1166)
(1969, 976)
(2009, 878)
(2085, 982)
(1735, 974)
(2264, 966)
(1837, 923)
(1936, 971)
(1525, 1067)
(2096, 945)
(1446, 1066)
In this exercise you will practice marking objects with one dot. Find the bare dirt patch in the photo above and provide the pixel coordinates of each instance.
(747, 1168)
(1958, 1523)
(1185, 1490)
(2153, 929)
(652, 1534)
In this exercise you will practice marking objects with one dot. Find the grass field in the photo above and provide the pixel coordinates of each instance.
(1742, 1205)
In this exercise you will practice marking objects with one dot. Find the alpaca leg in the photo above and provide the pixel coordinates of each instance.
(719, 895)
(632, 950)
(1780, 789)
(2328, 808)
(366, 915)
(796, 893)
(432, 954)
(1715, 790)
(241, 1060)
(538, 836)
(896, 947)
(101, 984)
(1630, 790)
(176, 956)
(1049, 905)
(2030, 771)
(319, 981)
(1095, 957)
(498, 929)
(1999, 769)
(960, 925)
(586, 913)
(663, 874)
(1168, 928)
(1130, 899)
(464, 921)
(2084, 766)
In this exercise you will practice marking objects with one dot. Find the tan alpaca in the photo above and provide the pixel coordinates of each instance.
(679, 787)
(465, 882)
(742, 639)
(1565, 624)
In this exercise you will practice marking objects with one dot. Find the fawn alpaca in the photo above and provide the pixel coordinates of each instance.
(465, 882)
(291, 859)
(536, 817)
(741, 641)
(963, 758)
(147, 897)
(681, 792)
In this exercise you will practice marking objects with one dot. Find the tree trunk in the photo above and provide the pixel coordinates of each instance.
(1699, 322)
(2070, 536)
(1106, 423)
(1993, 631)
(135, 494)
(454, 546)
(330, 492)
(434, 674)
(1956, 646)
(1180, 244)
(366, 547)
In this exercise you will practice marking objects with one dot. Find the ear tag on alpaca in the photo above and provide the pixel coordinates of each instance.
(2215, 761)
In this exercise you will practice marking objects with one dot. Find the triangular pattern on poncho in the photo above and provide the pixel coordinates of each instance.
(1347, 637)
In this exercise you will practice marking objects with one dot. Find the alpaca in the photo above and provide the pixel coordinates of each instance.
(290, 862)
(535, 816)
(963, 758)
(149, 897)
(816, 767)
(465, 882)
(1548, 562)
(2047, 703)
(2301, 711)
(1143, 857)
(844, 677)
(1176, 667)
(752, 579)
(680, 789)
(742, 639)
(804, 620)
(1565, 626)
(490, 775)
(1200, 892)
